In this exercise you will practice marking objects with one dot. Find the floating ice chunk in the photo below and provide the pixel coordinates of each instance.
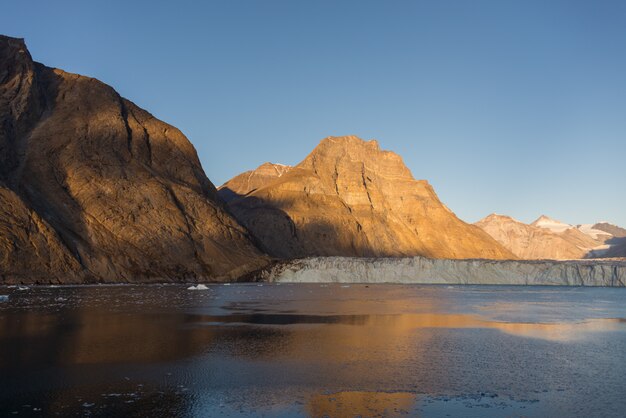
(4, 298)
(226, 284)
(23, 288)
(198, 287)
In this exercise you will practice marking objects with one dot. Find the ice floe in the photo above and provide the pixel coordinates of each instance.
(198, 287)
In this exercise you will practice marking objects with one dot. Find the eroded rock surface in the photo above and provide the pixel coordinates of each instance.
(350, 198)
(94, 188)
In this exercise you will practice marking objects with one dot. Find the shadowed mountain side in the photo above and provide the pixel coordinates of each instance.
(30, 250)
(350, 198)
(616, 249)
(121, 193)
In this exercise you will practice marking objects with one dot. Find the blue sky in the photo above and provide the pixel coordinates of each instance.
(514, 107)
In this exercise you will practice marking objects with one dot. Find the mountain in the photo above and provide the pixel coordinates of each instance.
(610, 229)
(252, 180)
(546, 238)
(94, 188)
(350, 198)
(551, 224)
(615, 242)
(549, 241)
(597, 234)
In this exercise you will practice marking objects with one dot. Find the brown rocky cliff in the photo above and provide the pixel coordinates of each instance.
(350, 198)
(103, 191)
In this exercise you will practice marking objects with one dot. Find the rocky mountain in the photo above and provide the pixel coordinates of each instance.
(252, 180)
(614, 240)
(350, 198)
(546, 238)
(94, 188)
(550, 241)
(610, 229)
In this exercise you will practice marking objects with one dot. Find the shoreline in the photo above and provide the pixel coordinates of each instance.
(405, 270)
(420, 270)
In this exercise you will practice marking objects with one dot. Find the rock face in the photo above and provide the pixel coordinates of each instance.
(547, 238)
(440, 271)
(93, 188)
(350, 198)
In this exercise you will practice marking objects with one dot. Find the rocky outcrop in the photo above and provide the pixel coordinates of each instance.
(350, 198)
(94, 188)
(441, 271)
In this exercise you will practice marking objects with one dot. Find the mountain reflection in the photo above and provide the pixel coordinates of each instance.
(337, 352)
(364, 404)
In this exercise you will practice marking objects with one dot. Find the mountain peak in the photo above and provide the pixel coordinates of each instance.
(545, 218)
(496, 217)
(16, 43)
(553, 225)
(13, 51)
(252, 180)
(347, 141)
(336, 154)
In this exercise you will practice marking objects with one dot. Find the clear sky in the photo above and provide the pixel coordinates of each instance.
(514, 107)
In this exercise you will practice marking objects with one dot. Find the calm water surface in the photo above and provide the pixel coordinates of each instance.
(313, 350)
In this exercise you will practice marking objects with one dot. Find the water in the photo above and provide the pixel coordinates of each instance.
(313, 350)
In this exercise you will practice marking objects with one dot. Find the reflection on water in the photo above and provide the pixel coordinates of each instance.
(365, 404)
(310, 350)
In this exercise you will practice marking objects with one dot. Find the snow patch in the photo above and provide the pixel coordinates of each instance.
(593, 233)
(551, 224)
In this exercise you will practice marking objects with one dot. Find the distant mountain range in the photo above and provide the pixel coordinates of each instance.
(546, 238)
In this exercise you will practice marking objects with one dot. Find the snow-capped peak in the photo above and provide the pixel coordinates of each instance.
(552, 224)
